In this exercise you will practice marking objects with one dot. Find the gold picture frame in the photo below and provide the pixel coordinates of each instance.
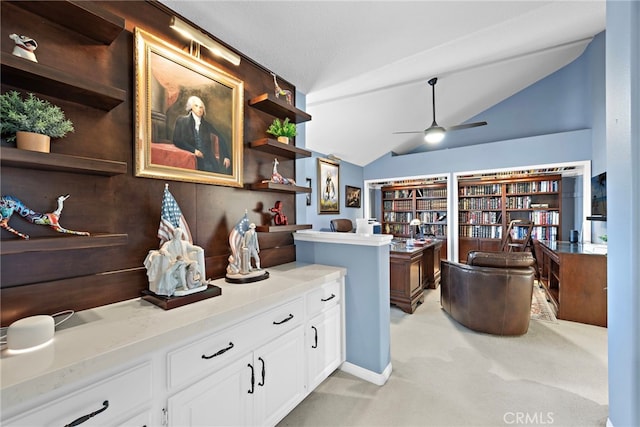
(168, 81)
(328, 186)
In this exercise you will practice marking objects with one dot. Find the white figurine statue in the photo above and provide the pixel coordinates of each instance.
(250, 241)
(24, 47)
(177, 268)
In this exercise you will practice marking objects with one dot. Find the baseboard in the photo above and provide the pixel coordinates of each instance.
(367, 375)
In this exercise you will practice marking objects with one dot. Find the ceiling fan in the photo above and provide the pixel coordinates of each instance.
(435, 133)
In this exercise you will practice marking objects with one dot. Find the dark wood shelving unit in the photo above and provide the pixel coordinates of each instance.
(282, 228)
(83, 17)
(62, 243)
(279, 149)
(14, 157)
(282, 188)
(22, 73)
(268, 103)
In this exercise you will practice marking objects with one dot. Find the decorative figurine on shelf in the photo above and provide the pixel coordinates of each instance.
(24, 47)
(250, 241)
(281, 92)
(243, 241)
(10, 204)
(277, 178)
(280, 218)
(177, 268)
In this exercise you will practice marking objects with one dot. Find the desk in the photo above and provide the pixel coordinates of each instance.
(574, 277)
(411, 270)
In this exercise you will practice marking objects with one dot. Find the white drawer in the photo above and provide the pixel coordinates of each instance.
(217, 350)
(323, 298)
(120, 395)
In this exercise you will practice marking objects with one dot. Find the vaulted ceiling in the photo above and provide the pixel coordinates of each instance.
(364, 65)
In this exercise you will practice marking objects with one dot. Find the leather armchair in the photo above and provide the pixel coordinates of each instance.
(491, 293)
(341, 225)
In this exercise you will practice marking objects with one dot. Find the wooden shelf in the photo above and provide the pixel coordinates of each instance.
(82, 17)
(282, 188)
(281, 228)
(32, 76)
(279, 149)
(60, 162)
(62, 243)
(268, 103)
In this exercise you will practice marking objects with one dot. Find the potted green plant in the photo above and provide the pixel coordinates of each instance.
(31, 122)
(283, 130)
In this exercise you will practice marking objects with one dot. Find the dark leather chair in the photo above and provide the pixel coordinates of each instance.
(491, 293)
(341, 225)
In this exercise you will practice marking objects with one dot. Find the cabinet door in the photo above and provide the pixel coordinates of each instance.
(221, 399)
(323, 346)
(279, 377)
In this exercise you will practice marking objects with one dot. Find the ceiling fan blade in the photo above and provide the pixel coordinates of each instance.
(411, 131)
(466, 126)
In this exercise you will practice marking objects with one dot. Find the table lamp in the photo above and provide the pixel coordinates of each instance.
(412, 224)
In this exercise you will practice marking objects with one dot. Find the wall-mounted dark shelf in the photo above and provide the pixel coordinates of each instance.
(281, 188)
(83, 17)
(28, 75)
(60, 162)
(280, 228)
(597, 218)
(268, 103)
(279, 149)
(62, 243)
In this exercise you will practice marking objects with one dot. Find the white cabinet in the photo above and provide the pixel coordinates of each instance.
(259, 387)
(323, 346)
(106, 402)
(324, 338)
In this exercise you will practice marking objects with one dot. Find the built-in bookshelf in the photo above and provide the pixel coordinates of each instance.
(426, 202)
(486, 207)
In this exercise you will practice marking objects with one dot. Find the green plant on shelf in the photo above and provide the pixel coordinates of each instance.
(31, 115)
(282, 128)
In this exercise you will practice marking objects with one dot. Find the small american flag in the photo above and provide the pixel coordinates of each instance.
(171, 218)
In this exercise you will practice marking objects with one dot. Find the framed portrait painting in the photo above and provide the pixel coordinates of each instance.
(352, 196)
(328, 186)
(188, 116)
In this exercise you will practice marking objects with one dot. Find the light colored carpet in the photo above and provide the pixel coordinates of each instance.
(447, 375)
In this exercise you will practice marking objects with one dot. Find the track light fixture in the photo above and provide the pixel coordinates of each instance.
(203, 40)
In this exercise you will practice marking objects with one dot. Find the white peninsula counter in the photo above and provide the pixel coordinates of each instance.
(133, 362)
(367, 299)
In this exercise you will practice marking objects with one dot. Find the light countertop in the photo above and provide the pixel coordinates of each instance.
(105, 337)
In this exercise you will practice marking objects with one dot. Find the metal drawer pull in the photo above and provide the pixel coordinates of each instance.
(283, 321)
(316, 331)
(219, 352)
(327, 299)
(261, 383)
(253, 379)
(85, 418)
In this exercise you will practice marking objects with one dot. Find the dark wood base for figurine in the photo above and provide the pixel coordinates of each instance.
(240, 278)
(172, 302)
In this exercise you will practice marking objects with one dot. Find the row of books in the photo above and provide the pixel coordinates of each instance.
(480, 217)
(481, 204)
(431, 192)
(398, 205)
(426, 205)
(544, 233)
(537, 217)
(398, 194)
(480, 190)
(533, 187)
(481, 231)
(432, 216)
(439, 230)
(397, 216)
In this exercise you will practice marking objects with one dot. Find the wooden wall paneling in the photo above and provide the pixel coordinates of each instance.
(36, 283)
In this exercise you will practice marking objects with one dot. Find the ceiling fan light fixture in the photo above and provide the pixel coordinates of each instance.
(434, 134)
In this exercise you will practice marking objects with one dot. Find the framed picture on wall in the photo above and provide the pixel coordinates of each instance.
(352, 196)
(308, 199)
(188, 116)
(328, 186)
